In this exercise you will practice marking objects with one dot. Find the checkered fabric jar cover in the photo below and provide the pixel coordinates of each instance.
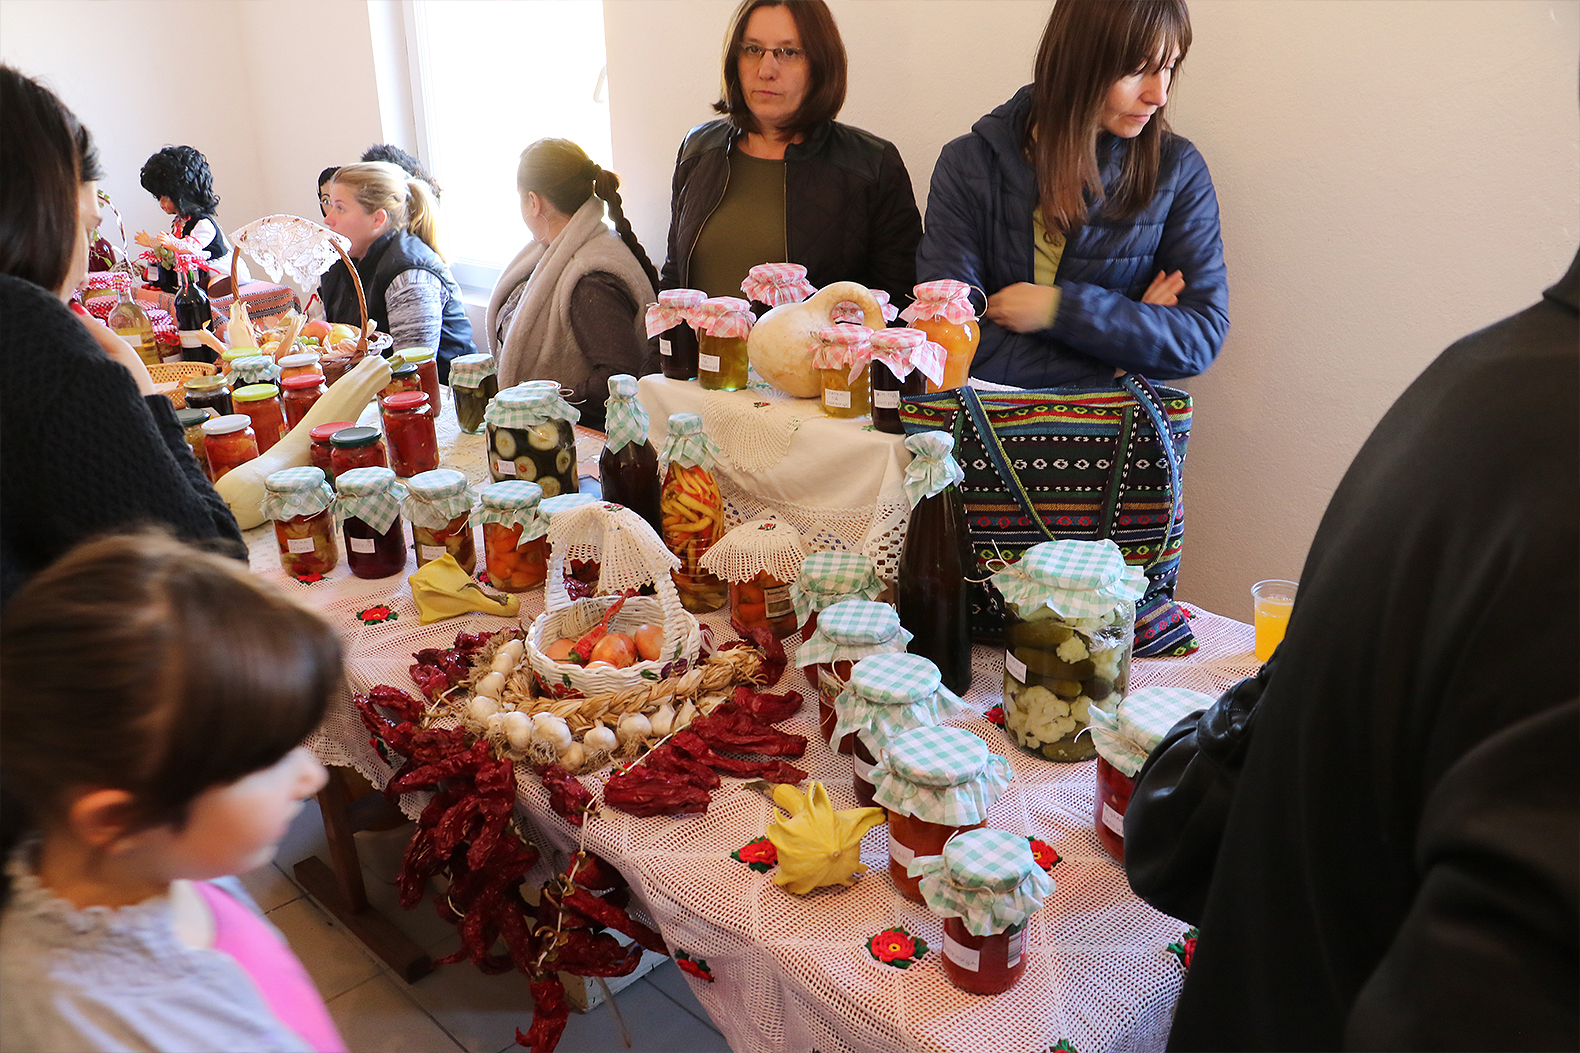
(293, 492)
(625, 418)
(1127, 737)
(436, 497)
(828, 577)
(1076, 579)
(933, 467)
(529, 404)
(254, 369)
(370, 494)
(847, 347)
(851, 630)
(673, 307)
(939, 775)
(777, 284)
(726, 317)
(469, 371)
(516, 502)
(944, 298)
(986, 878)
(686, 444)
(888, 694)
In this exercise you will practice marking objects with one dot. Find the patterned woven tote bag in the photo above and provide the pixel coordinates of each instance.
(1076, 463)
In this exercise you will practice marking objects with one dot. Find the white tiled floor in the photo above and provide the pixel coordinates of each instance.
(456, 1008)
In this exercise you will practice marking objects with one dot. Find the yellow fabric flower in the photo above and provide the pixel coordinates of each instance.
(817, 845)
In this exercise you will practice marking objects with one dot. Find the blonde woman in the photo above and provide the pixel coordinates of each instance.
(391, 220)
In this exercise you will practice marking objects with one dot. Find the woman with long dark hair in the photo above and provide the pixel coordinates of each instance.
(1089, 225)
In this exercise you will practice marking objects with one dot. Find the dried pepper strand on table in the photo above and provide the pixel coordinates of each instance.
(728, 728)
(397, 701)
(693, 745)
(667, 760)
(606, 914)
(549, 1015)
(642, 792)
(592, 872)
(768, 645)
(770, 709)
(567, 796)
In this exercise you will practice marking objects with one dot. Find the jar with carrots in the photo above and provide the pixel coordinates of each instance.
(515, 542)
(759, 559)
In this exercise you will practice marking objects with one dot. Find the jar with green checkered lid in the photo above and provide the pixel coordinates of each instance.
(368, 507)
(888, 694)
(628, 466)
(986, 885)
(474, 380)
(515, 535)
(439, 505)
(934, 782)
(691, 509)
(299, 501)
(1124, 739)
(1070, 614)
(531, 438)
(846, 633)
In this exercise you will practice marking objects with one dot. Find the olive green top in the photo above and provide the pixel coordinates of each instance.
(746, 229)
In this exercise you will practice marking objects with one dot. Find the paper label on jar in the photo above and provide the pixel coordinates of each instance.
(965, 957)
(363, 544)
(862, 768)
(885, 399)
(504, 467)
(426, 552)
(899, 853)
(664, 348)
(1012, 951)
(836, 398)
(778, 599)
(1014, 667)
(708, 362)
(299, 544)
(1112, 817)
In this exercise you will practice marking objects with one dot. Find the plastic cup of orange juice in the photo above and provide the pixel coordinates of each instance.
(1272, 601)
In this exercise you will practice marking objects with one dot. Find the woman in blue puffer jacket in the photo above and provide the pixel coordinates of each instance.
(1092, 229)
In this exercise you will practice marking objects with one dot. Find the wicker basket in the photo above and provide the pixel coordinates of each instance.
(175, 373)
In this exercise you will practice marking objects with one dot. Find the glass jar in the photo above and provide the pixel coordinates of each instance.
(944, 312)
(693, 516)
(439, 504)
(840, 350)
(261, 402)
(899, 356)
(229, 442)
(409, 427)
(515, 539)
(936, 560)
(826, 578)
(369, 510)
(356, 447)
(1114, 788)
(228, 360)
(208, 392)
(671, 320)
(844, 398)
(1125, 737)
(532, 438)
(628, 466)
(723, 325)
(887, 391)
(755, 558)
(474, 381)
(580, 575)
(403, 378)
(427, 363)
(298, 393)
(300, 364)
(887, 694)
(300, 503)
(847, 632)
(191, 421)
(320, 454)
(934, 782)
(254, 369)
(763, 602)
(986, 885)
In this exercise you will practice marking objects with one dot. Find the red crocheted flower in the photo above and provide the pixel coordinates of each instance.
(760, 855)
(1044, 854)
(896, 947)
(697, 967)
(1185, 949)
(310, 578)
(375, 615)
(995, 715)
(1064, 1045)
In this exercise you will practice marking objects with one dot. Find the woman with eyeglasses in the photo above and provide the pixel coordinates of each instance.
(777, 179)
(1091, 227)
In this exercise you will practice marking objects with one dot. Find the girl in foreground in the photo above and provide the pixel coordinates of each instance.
(154, 702)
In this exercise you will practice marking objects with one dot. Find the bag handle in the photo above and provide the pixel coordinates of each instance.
(1152, 403)
(995, 451)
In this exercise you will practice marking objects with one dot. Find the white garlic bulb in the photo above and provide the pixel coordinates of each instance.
(599, 737)
(573, 756)
(496, 724)
(634, 726)
(481, 707)
(552, 730)
(515, 649)
(492, 685)
(518, 729)
(503, 664)
(687, 714)
(663, 720)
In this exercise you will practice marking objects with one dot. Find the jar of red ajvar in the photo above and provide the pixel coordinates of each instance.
(846, 633)
(1124, 739)
(321, 453)
(887, 695)
(826, 578)
(409, 427)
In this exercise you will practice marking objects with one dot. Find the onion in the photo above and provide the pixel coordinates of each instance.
(599, 737)
(518, 729)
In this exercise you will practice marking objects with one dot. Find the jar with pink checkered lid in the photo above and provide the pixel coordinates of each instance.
(943, 311)
(903, 362)
(776, 284)
(723, 324)
(843, 359)
(672, 319)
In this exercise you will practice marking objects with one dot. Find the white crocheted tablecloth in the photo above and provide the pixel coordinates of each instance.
(792, 973)
(836, 481)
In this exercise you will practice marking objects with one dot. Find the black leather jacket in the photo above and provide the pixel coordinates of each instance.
(850, 213)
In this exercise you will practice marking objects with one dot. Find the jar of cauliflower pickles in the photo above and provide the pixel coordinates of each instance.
(1070, 617)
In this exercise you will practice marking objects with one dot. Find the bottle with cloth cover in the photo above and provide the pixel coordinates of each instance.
(930, 591)
(628, 466)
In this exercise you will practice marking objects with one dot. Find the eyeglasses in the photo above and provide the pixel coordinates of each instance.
(786, 56)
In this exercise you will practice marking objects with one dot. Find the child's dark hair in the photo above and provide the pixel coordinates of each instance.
(181, 174)
(143, 664)
(561, 173)
(396, 156)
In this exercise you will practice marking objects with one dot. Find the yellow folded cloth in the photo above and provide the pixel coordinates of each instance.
(441, 589)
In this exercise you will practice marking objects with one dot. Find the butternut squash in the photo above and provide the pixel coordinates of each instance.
(781, 343)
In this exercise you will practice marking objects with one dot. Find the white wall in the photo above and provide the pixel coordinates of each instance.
(1392, 173)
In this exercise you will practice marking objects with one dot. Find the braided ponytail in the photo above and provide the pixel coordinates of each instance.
(607, 186)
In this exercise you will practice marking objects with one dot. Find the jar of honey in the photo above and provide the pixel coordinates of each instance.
(1124, 739)
(409, 427)
(229, 442)
(759, 559)
(515, 534)
(843, 358)
(300, 502)
(886, 695)
(261, 402)
(934, 782)
(846, 633)
(368, 507)
(297, 395)
(439, 505)
(356, 447)
(986, 885)
(427, 362)
(723, 324)
(320, 454)
(944, 312)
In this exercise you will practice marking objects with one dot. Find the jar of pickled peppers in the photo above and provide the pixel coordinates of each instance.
(229, 442)
(846, 633)
(368, 507)
(531, 437)
(843, 358)
(409, 427)
(887, 695)
(439, 505)
(691, 510)
(759, 559)
(515, 535)
(403, 378)
(261, 402)
(474, 381)
(300, 502)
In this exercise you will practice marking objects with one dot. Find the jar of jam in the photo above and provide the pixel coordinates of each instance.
(353, 446)
(515, 535)
(1069, 622)
(934, 782)
(409, 427)
(903, 361)
(826, 578)
(847, 632)
(191, 421)
(531, 437)
(943, 311)
(320, 454)
(886, 695)
(1124, 739)
(474, 381)
(986, 885)
(301, 504)
(300, 365)
(208, 392)
(230, 442)
(439, 505)
(672, 319)
(759, 559)
(723, 324)
(843, 357)
(261, 402)
(581, 575)
(692, 510)
(368, 507)
(253, 369)
(427, 362)
(297, 395)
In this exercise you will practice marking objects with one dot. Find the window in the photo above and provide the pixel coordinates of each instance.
(488, 78)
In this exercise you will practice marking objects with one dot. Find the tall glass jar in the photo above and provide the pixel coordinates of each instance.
(261, 402)
(208, 392)
(986, 885)
(826, 578)
(1125, 738)
(846, 633)
(842, 359)
(368, 507)
(298, 393)
(1070, 613)
(628, 466)
(723, 324)
(934, 782)
(903, 360)
(321, 454)
(427, 362)
(943, 311)
(439, 505)
(692, 507)
(515, 536)
(300, 502)
(671, 320)
(531, 437)
(930, 589)
(887, 695)
(357, 447)
(409, 427)
(759, 559)
(474, 380)
(230, 442)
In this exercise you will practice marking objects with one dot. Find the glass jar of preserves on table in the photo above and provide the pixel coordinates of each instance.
(191, 421)
(321, 454)
(723, 324)
(847, 632)
(368, 507)
(409, 428)
(229, 442)
(427, 362)
(843, 358)
(903, 360)
(300, 502)
(439, 505)
(474, 381)
(691, 507)
(531, 437)
(403, 378)
(297, 395)
(759, 559)
(300, 364)
(672, 320)
(886, 695)
(943, 311)
(1125, 738)
(253, 369)
(986, 885)
(826, 578)
(356, 447)
(581, 575)
(261, 402)
(208, 392)
(934, 782)
(515, 535)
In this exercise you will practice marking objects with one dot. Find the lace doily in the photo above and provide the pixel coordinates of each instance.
(755, 435)
(629, 553)
(755, 547)
(290, 245)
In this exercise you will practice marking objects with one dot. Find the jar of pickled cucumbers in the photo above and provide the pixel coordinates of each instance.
(759, 559)
(843, 358)
(846, 633)
(474, 380)
(887, 695)
(439, 505)
(723, 324)
(368, 508)
(986, 885)
(229, 442)
(691, 507)
(1070, 614)
(300, 502)
(531, 437)
(515, 535)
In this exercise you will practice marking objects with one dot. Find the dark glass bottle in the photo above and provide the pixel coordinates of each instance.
(192, 315)
(887, 392)
(930, 592)
(631, 478)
